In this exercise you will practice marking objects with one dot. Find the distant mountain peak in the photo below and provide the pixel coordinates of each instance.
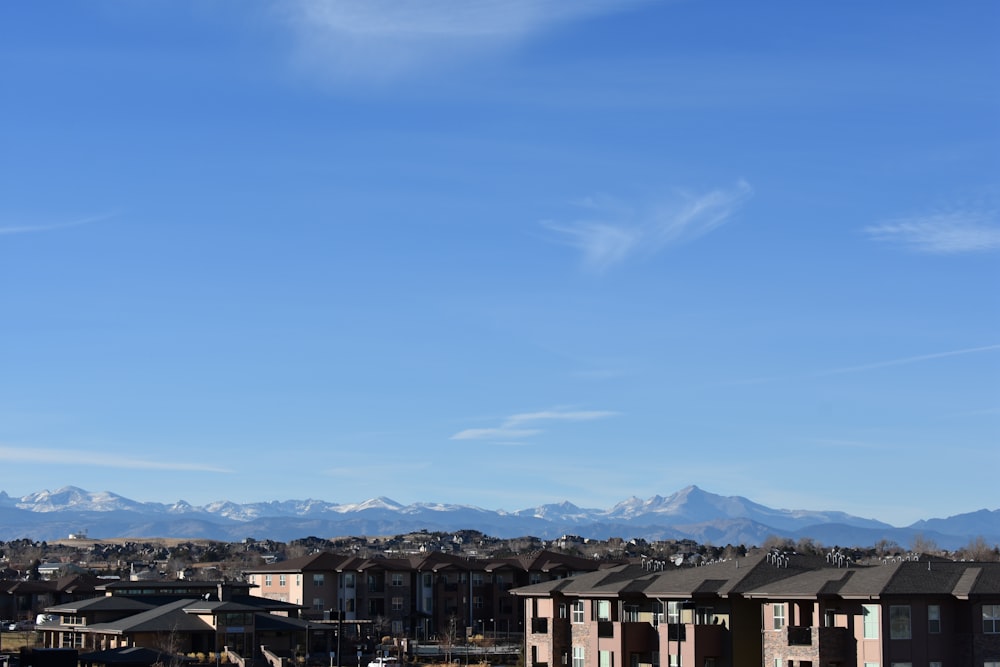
(690, 513)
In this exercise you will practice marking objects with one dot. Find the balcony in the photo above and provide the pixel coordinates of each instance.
(540, 626)
(826, 644)
(800, 635)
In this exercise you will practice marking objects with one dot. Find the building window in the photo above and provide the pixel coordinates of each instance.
(397, 604)
(991, 618)
(534, 578)
(602, 609)
(562, 610)
(779, 615)
(899, 621)
(317, 580)
(578, 657)
(281, 580)
(397, 579)
(397, 628)
(673, 612)
(933, 619)
(477, 602)
(935, 663)
(577, 612)
(267, 580)
(605, 659)
(298, 580)
(318, 604)
(349, 605)
(870, 612)
(477, 579)
(348, 580)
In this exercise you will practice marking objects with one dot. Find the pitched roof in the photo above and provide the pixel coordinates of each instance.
(323, 561)
(169, 617)
(102, 603)
(545, 561)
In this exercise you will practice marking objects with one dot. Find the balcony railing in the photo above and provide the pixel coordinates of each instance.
(799, 636)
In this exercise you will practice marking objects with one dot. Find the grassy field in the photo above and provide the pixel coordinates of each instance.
(15, 641)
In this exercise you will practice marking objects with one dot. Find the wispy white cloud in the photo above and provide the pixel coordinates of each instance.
(512, 427)
(559, 415)
(941, 233)
(387, 38)
(909, 360)
(33, 229)
(78, 458)
(623, 233)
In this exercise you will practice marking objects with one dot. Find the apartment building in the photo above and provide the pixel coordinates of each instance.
(423, 596)
(770, 611)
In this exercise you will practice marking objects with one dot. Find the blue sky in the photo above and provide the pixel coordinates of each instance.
(502, 253)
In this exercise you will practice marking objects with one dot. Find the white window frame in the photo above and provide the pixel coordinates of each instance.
(778, 615)
(870, 622)
(991, 619)
(579, 657)
(576, 612)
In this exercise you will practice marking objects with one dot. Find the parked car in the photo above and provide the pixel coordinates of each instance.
(20, 625)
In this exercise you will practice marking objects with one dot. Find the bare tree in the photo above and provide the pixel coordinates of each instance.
(921, 544)
(978, 550)
(170, 646)
(449, 635)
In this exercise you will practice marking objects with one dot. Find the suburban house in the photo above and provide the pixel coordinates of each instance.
(771, 610)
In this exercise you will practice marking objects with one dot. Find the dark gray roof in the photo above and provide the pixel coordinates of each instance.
(102, 603)
(165, 618)
(215, 606)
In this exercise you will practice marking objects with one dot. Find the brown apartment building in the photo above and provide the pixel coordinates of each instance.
(769, 611)
(422, 596)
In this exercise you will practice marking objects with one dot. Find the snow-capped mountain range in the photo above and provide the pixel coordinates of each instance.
(690, 513)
